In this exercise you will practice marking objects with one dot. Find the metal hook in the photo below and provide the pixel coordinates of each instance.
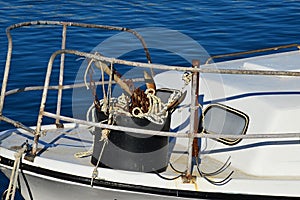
(217, 183)
(205, 175)
(220, 170)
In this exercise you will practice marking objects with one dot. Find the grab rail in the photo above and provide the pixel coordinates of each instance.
(252, 52)
(65, 25)
(155, 66)
(176, 68)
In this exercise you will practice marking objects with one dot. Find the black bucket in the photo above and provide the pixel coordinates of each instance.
(131, 151)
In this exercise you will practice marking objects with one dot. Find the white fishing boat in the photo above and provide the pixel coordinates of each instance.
(222, 130)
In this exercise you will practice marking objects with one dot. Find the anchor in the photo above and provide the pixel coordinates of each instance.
(209, 175)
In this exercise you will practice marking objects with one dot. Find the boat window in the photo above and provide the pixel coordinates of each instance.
(224, 120)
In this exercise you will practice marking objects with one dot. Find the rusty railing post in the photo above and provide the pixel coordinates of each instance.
(193, 117)
(61, 76)
(6, 70)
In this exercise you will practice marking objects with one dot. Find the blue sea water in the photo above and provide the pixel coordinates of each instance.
(221, 27)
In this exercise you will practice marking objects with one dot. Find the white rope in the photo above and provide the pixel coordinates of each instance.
(90, 112)
(155, 114)
(137, 112)
(122, 101)
(187, 77)
(157, 110)
(105, 100)
(83, 154)
(85, 73)
(104, 138)
(11, 190)
(109, 91)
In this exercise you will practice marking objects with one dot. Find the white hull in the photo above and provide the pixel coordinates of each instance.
(47, 188)
(48, 178)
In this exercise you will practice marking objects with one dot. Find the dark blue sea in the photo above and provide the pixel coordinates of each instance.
(220, 27)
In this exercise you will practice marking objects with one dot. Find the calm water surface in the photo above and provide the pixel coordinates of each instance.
(224, 26)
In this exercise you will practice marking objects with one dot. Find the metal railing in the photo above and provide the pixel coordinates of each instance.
(193, 118)
(163, 67)
(63, 45)
(251, 52)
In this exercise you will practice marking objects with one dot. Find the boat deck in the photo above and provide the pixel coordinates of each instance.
(65, 144)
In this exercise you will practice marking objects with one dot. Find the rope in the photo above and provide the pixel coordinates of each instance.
(156, 111)
(86, 71)
(11, 190)
(91, 111)
(83, 154)
(109, 91)
(92, 83)
(104, 105)
(187, 77)
(104, 138)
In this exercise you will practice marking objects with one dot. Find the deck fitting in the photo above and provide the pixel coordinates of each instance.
(188, 178)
